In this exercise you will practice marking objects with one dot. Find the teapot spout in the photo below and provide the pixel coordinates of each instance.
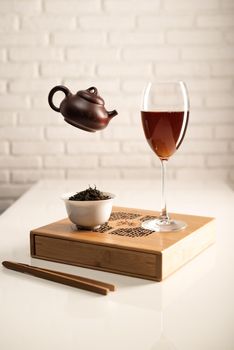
(112, 114)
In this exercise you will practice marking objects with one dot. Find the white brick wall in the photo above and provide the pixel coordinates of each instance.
(117, 46)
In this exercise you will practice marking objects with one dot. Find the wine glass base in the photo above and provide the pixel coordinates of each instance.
(158, 225)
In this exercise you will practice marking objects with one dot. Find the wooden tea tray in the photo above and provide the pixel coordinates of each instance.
(122, 246)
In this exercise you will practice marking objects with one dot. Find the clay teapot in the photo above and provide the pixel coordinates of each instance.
(84, 110)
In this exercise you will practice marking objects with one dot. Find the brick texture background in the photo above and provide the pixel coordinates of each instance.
(116, 46)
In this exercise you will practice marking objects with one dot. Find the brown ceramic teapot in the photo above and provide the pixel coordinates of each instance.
(84, 110)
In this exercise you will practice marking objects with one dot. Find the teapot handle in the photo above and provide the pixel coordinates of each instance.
(52, 92)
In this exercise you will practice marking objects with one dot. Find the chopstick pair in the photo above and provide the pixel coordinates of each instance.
(61, 277)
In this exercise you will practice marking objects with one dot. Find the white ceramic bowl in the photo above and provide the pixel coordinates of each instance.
(88, 214)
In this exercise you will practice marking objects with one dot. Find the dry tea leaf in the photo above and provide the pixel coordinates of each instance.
(90, 194)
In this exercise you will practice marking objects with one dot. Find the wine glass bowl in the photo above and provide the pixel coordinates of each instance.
(164, 115)
(164, 131)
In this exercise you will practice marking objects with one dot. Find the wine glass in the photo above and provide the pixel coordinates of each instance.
(164, 115)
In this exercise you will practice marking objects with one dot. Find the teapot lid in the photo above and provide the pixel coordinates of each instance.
(91, 95)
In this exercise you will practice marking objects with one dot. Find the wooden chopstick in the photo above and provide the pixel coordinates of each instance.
(109, 286)
(61, 277)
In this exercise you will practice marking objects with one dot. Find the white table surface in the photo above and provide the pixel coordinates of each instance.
(193, 309)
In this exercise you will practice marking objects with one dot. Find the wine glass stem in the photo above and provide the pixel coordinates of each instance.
(163, 215)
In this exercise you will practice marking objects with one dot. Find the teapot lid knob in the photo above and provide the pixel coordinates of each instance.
(91, 95)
